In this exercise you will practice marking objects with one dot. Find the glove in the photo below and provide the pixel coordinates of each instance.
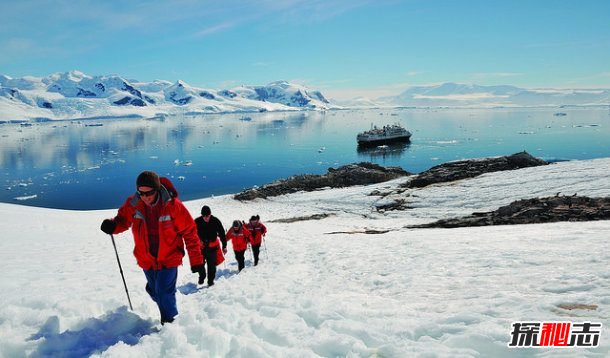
(108, 226)
(198, 269)
(224, 250)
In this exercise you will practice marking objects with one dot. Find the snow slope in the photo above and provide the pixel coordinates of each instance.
(73, 95)
(409, 292)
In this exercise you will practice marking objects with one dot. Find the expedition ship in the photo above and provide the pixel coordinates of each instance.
(385, 134)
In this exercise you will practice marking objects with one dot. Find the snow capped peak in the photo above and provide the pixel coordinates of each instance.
(74, 94)
(281, 83)
(284, 92)
(181, 83)
(75, 75)
(71, 76)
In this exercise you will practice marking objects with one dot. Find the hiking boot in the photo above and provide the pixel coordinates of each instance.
(201, 279)
(166, 320)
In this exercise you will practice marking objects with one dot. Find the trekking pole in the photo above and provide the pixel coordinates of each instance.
(251, 254)
(265, 247)
(121, 269)
(224, 258)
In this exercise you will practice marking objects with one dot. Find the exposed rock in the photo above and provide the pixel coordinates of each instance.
(471, 168)
(577, 306)
(302, 218)
(534, 211)
(365, 231)
(398, 204)
(128, 100)
(352, 174)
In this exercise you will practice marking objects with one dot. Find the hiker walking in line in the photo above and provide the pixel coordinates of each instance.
(161, 227)
(209, 229)
(258, 230)
(239, 237)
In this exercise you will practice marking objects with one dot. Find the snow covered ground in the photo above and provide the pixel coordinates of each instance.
(409, 292)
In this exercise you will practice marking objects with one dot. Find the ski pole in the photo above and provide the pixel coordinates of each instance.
(251, 254)
(121, 269)
(224, 258)
(265, 247)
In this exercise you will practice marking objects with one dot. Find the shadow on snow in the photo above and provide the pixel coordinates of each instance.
(190, 287)
(93, 335)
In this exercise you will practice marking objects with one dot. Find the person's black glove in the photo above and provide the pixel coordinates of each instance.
(198, 269)
(108, 226)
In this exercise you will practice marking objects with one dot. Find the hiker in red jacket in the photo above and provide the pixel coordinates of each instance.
(258, 230)
(239, 237)
(210, 229)
(161, 227)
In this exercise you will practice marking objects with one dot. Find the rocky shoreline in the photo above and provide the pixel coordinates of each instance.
(366, 173)
(363, 173)
(471, 168)
(528, 211)
(533, 211)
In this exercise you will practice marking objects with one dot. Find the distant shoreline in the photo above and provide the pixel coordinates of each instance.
(305, 110)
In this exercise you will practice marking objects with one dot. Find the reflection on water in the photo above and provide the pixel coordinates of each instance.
(78, 166)
(390, 150)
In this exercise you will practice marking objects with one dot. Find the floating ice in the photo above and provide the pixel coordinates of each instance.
(23, 198)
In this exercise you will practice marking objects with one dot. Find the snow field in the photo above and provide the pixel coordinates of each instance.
(424, 292)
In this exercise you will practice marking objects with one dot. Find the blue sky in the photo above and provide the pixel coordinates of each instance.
(344, 48)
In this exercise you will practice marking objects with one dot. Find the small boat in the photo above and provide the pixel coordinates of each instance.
(385, 134)
(560, 114)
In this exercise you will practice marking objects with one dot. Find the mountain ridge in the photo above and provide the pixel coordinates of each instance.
(75, 95)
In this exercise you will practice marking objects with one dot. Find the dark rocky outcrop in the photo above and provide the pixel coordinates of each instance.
(128, 100)
(85, 93)
(353, 174)
(398, 204)
(302, 218)
(206, 94)
(227, 93)
(365, 231)
(129, 88)
(463, 169)
(122, 101)
(534, 211)
(180, 101)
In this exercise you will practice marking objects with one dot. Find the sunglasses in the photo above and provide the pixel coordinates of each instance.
(147, 193)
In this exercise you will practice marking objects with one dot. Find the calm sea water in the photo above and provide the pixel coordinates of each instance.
(75, 165)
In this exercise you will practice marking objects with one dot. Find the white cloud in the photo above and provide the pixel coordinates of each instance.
(214, 29)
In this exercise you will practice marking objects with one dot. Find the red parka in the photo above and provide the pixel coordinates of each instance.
(257, 231)
(176, 228)
(240, 238)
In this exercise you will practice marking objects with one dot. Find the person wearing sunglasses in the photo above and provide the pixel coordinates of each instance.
(161, 228)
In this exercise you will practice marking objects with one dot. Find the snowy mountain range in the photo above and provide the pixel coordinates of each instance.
(469, 95)
(73, 95)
